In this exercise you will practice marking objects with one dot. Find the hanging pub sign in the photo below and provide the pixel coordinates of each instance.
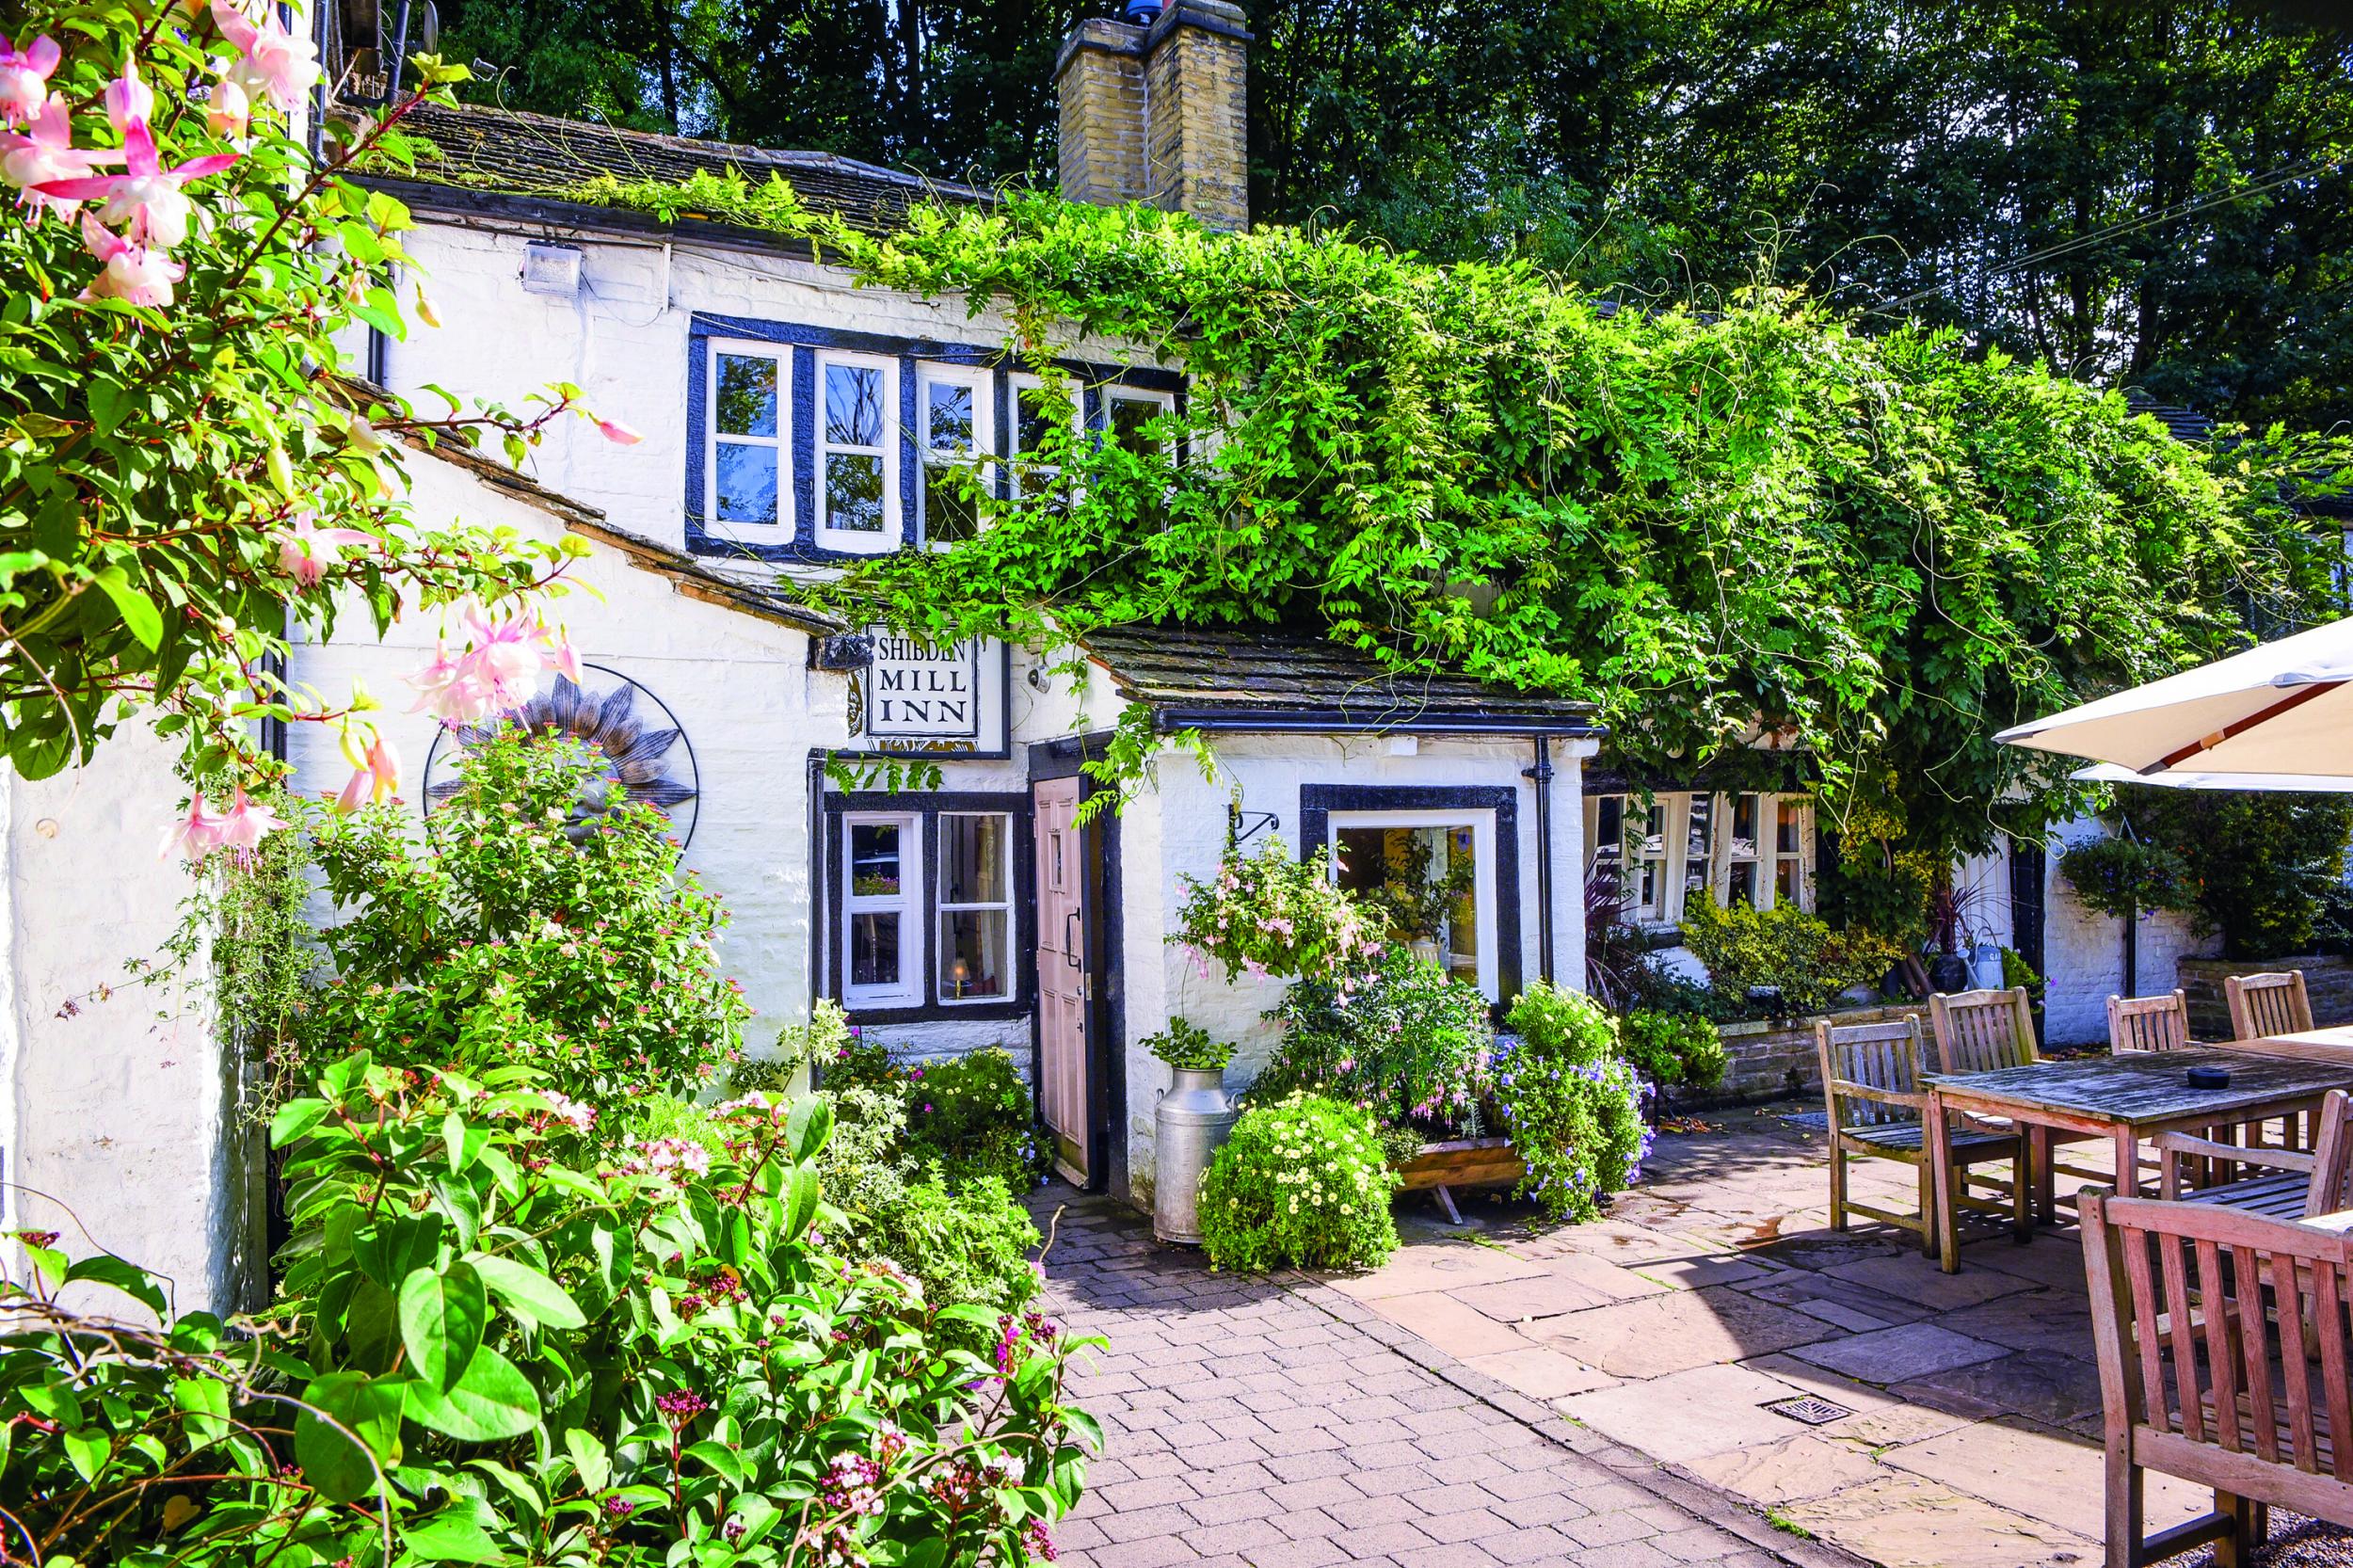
(918, 697)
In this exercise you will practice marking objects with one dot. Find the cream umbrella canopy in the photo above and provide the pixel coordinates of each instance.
(2278, 716)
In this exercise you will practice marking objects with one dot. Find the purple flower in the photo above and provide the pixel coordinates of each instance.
(620, 1508)
(681, 1406)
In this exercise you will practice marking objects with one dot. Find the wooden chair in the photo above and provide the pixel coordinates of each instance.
(1981, 1031)
(1871, 1085)
(2296, 1184)
(2148, 1023)
(2223, 1354)
(2266, 1004)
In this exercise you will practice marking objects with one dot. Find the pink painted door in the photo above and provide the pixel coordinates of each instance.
(1062, 976)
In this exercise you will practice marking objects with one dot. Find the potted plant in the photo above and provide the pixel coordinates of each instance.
(1193, 1120)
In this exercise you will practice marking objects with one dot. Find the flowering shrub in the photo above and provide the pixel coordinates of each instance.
(495, 1344)
(540, 923)
(1273, 913)
(184, 470)
(1572, 1106)
(1795, 952)
(967, 1116)
(1409, 1047)
(1300, 1181)
(1673, 1048)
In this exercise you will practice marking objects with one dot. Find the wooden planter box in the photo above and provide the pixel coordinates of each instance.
(1463, 1162)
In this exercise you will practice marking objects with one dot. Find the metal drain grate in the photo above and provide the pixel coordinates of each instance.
(1813, 1411)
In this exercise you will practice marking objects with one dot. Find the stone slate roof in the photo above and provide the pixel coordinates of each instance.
(508, 153)
(2182, 425)
(1240, 679)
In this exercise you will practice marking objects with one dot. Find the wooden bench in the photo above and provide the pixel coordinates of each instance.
(2224, 1360)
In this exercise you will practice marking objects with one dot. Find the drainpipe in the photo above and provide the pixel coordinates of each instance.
(817, 943)
(1541, 775)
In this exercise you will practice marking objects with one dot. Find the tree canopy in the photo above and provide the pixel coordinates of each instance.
(2149, 194)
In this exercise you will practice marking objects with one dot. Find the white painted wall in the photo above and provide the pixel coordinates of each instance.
(122, 1127)
(740, 686)
(2084, 952)
(623, 341)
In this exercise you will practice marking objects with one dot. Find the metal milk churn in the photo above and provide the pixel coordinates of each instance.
(1193, 1120)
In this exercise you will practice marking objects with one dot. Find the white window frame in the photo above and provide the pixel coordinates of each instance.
(1768, 856)
(781, 355)
(942, 909)
(1481, 822)
(907, 904)
(851, 541)
(979, 383)
(1017, 384)
(1120, 391)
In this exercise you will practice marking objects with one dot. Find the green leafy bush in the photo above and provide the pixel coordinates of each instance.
(1406, 1043)
(1300, 1181)
(1673, 1048)
(2264, 867)
(2125, 877)
(1785, 948)
(543, 921)
(499, 1341)
(967, 1116)
(1572, 1105)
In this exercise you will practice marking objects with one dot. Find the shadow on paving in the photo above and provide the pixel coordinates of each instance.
(1272, 1421)
(1964, 1420)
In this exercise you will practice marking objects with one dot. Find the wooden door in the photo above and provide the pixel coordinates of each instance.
(1062, 975)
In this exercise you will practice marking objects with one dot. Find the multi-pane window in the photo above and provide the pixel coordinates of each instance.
(975, 906)
(882, 860)
(1130, 415)
(1754, 849)
(1037, 409)
(951, 411)
(749, 467)
(857, 500)
(1431, 875)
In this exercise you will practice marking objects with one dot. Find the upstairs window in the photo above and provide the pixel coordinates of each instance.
(858, 494)
(749, 472)
(953, 413)
(1037, 409)
(1755, 849)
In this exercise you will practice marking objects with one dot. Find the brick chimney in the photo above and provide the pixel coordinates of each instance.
(1156, 111)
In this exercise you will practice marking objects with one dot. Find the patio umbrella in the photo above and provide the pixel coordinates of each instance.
(2278, 716)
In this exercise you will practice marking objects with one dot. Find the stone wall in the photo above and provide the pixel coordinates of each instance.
(2329, 981)
(1776, 1058)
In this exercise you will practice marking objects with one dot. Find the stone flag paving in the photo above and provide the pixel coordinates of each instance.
(1276, 1422)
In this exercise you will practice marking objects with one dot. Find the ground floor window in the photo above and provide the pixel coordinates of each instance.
(1431, 875)
(924, 906)
(1754, 848)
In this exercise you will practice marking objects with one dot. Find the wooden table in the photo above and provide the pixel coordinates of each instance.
(2123, 1099)
(2313, 1045)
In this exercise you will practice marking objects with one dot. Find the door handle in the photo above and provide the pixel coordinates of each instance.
(1070, 943)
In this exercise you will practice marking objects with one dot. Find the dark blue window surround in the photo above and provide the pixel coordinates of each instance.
(800, 542)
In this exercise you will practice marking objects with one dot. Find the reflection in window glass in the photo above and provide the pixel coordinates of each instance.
(972, 964)
(1129, 416)
(746, 483)
(950, 508)
(874, 860)
(874, 950)
(948, 418)
(1423, 880)
(975, 905)
(854, 493)
(854, 413)
(747, 395)
(1037, 413)
(972, 859)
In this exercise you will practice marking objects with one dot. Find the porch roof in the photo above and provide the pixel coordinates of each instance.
(1292, 683)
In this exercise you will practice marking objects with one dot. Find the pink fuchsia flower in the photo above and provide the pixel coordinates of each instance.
(144, 194)
(247, 824)
(277, 64)
(129, 101)
(498, 671)
(42, 153)
(24, 78)
(615, 432)
(228, 112)
(196, 835)
(375, 775)
(306, 551)
(133, 273)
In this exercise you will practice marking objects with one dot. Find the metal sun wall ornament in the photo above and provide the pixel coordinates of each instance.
(633, 734)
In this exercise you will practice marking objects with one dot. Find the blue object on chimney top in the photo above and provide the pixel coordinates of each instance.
(1144, 13)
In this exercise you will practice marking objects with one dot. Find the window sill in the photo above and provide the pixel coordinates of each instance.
(940, 1013)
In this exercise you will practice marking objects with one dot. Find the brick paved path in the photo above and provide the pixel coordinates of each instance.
(1276, 1422)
